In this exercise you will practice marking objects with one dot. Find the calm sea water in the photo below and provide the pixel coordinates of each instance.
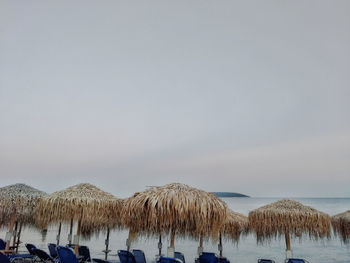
(247, 250)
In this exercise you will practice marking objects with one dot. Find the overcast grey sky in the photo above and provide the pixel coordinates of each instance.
(248, 96)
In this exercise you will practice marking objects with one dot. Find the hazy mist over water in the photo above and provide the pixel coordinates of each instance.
(216, 95)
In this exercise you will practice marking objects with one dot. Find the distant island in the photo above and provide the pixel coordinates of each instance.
(229, 194)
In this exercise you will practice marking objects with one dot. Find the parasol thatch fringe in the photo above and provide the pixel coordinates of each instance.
(235, 225)
(174, 207)
(95, 208)
(288, 216)
(17, 202)
(341, 226)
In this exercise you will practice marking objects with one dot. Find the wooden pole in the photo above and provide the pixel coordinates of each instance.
(201, 241)
(15, 235)
(287, 240)
(200, 247)
(76, 246)
(59, 233)
(220, 245)
(107, 244)
(19, 237)
(70, 232)
(160, 245)
(172, 240)
(128, 241)
(288, 249)
(12, 223)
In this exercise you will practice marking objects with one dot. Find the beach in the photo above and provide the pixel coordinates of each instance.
(247, 250)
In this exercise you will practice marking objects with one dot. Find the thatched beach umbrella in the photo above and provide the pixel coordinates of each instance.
(17, 203)
(235, 224)
(86, 204)
(341, 225)
(174, 209)
(288, 218)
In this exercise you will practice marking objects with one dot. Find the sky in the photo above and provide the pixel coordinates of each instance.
(242, 96)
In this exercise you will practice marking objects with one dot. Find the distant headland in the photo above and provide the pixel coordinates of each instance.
(229, 194)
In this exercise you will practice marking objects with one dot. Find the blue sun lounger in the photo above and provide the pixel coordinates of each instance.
(84, 252)
(168, 260)
(126, 256)
(2, 244)
(30, 248)
(4, 259)
(139, 256)
(14, 256)
(296, 260)
(52, 250)
(263, 260)
(66, 255)
(43, 256)
(207, 257)
(98, 260)
(223, 260)
(180, 256)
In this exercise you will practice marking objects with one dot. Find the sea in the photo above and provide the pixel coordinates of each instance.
(247, 250)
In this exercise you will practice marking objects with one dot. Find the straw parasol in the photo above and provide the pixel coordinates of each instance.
(174, 209)
(288, 217)
(341, 225)
(91, 207)
(17, 203)
(235, 224)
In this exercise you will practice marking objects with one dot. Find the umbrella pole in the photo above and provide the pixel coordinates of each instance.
(9, 234)
(76, 246)
(19, 236)
(128, 241)
(15, 235)
(220, 245)
(160, 245)
(59, 234)
(171, 249)
(70, 233)
(288, 250)
(200, 248)
(107, 244)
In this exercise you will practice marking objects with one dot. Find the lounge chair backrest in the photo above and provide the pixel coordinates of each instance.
(2, 244)
(180, 256)
(4, 258)
(262, 260)
(30, 248)
(295, 260)
(168, 260)
(207, 257)
(126, 256)
(52, 250)
(44, 257)
(98, 260)
(66, 255)
(139, 256)
(84, 251)
(223, 260)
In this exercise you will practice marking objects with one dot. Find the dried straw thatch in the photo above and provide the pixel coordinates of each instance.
(17, 203)
(287, 217)
(341, 225)
(235, 225)
(175, 208)
(92, 207)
